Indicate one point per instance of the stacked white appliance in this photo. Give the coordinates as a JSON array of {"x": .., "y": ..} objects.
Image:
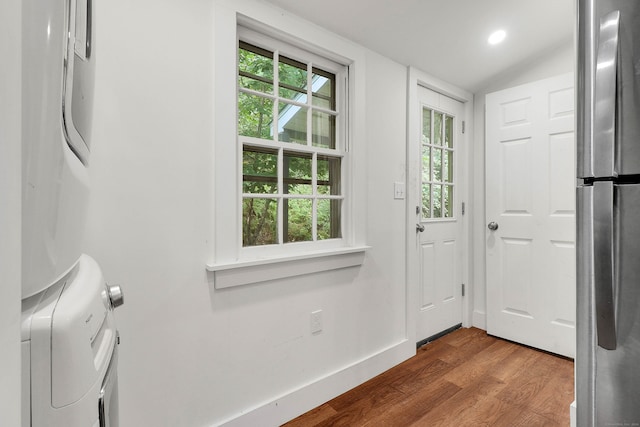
[{"x": 69, "y": 336}]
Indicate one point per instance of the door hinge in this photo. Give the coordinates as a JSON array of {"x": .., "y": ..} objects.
[
  {"x": 463, "y": 126},
  {"x": 463, "y": 289},
  {"x": 463, "y": 208}
]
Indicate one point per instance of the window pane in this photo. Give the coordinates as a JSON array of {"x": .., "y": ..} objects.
[
  {"x": 437, "y": 164},
  {"x": 292, "y": 123},
  {"x": 437, "y": 128},
  {"x": 259, "y": 170},
  {"x": 447, "y": 166},
  {"x": 448, "y": 132},
  {"x": 447, "y": 197},
  {"x": 328, "y": 170},
  {"x": 328, "y": 226},
  {"x": 437, "y": 201},
  {"x": 426, "y": 126},
  {"x": 255, "y": 68},
  {"x": 324, "y": 130},
  {"x": 426, "y": 200},
  {"x": 298, "y": 220},
  {"x": 297, "y": 173},
  {"x": 426, "y": 163},
  {"x": 323, "y": 85},
  {"x": 259, "y": 222},
  {"x": 255, "y": 116},
  {"x": 292, "y": 76}
]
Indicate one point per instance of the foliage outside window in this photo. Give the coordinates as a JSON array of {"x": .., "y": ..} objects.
[
  {"x": 437, "y": 165},
  {"x": 291, "y": 157}
]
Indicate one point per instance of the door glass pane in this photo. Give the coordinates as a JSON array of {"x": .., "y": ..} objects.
[
  {"x": 426, "y": 200},
  {"x": 259, "y": 170},
  {"x": 255, "y": 116},
  {"x": 426, "y": 126},
  {"x": 426, "y": 163},
  {"x": 292, "y": 123},
  {"x": 437, "y": 128},
  {"x": 299, "y": 219},
  {"x": 447, "y": 196},
  {"x": 448, "y": 132},
  {"x": 448, "y": 161},
  {"x": 259, "y": 221},
  {"x": 437, "y": 165},
  {"x": 437, "y": 201}
]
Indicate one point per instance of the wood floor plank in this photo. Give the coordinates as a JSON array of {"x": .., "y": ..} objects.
[
  {"x": 491, "y": 357},
  {"x": 466, "y": 378},
  {"x": 314, "y": 417},
  {"x": 453, "y": 411},
  {"x": 416, "y": 405}
]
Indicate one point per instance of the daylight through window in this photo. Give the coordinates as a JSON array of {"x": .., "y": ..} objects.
[
  {"x": 292, "y": 156},
  {"x": 437, "y": 164}
]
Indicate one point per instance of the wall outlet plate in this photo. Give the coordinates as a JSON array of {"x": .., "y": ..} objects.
[{"x": 316, "y": 322}]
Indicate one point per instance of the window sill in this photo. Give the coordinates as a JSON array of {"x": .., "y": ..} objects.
[{"x": 240, "y": 273}]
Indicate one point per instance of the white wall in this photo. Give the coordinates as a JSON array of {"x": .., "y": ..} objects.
[
  {"x": 558, "y": 61},
  {"x": 192, "y": 355},
  {"x": 10, "y": 196}
]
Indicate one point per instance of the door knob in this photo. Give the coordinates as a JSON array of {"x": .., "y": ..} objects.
[
  {"x": 419, "y": 227},
  {"x": 116, "y": 297},
  {"x": 493, "y": 226}
]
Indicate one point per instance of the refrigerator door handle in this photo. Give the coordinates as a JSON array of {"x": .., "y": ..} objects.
[
  {"x": 603, "y": 264},
  {"x": 605, "y": 96}
]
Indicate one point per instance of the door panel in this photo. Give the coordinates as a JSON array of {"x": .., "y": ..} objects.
[
  {"x": 440, "y": 244},
  {"x": 530, "y": 164}
]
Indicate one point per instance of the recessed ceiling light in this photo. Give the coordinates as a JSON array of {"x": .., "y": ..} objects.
[{"x": 497, "y": 37}]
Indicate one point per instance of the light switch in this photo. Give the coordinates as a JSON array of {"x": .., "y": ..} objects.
[{"x": 398, "y": 190}]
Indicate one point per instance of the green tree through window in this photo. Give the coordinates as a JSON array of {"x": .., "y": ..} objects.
[{"x": 286, "y": 123}]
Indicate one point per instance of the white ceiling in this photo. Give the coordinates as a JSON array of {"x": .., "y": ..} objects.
[{"x": 447, "y": 38}]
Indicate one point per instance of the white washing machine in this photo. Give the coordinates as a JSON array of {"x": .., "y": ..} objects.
[
  {"x": 70, "y": 352},
  {"x": 69, "y": 338}
]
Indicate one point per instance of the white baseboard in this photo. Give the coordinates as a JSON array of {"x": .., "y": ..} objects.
[
  {"x": 480, "y": 320},
  {"x": 572, "y": 413},
  {"x": 297, "y": 402}
]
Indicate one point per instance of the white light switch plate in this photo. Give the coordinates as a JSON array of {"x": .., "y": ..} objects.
[{"x": 398, "y": 190}]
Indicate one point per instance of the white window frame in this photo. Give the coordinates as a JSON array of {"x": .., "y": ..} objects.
[
  {"x": 230, "y": 263},
  {"x": 341, "y": 150}
]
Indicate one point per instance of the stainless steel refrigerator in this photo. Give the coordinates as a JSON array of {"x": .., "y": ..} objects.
[{"x": 608, "y": 213}]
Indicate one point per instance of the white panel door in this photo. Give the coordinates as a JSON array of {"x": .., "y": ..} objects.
[
  {"x": 440, "y": 246},
  {"x": 530, "y": 198}
]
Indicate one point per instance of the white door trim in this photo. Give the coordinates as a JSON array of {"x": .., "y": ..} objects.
[{"x": 417, "y": 78}]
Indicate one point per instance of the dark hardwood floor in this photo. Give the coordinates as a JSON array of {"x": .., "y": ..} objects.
[{"x": 466, "y": 378}]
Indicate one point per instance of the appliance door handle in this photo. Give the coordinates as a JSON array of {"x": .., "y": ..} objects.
[
  {"x": 603, "y": 264},
  {"x": 604, "y": 133}
]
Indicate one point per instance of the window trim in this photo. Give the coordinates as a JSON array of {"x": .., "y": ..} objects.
[
  {"x": 261, "y": 270},
  {"x": 229, "y": 264}
]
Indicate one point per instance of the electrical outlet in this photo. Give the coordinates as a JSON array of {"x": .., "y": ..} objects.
[{"x": 316, "y": 322}]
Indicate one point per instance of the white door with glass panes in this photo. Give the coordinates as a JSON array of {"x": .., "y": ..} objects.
[
  {"x": 439, "y": 223},
  {"x": 530, "y": 213}
]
